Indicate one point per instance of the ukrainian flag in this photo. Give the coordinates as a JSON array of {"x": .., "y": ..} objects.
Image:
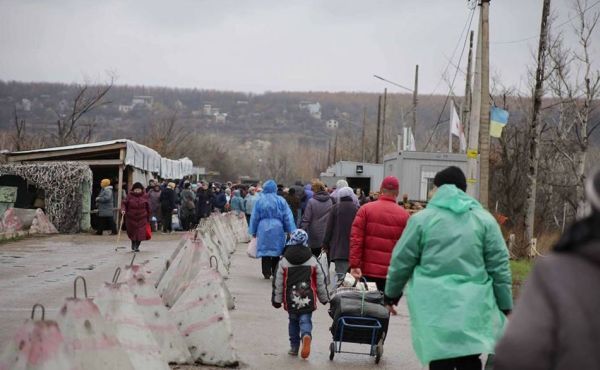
[{"x": 498, "y": 119}]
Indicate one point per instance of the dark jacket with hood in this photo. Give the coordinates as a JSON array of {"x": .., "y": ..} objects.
[
  {"x": 300, "y": 281},
  {"x": 220, "y": 200},
  {"x": 314, "y": 220},
  {"x": 555, "y": 322},
  {"x": 339, "y": 226}
]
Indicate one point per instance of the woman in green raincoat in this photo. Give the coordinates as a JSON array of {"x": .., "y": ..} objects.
[{"x": 460, "y": 282}]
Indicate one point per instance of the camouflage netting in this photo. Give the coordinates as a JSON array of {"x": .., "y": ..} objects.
[{"x": 61, "y": 182}]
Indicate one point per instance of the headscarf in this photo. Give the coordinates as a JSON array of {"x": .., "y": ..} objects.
[{"x": 345, "y": 191}]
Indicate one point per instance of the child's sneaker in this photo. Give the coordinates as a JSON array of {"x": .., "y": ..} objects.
[
  {"x": 293, "y": 351},
  {"x": 305, "y": 346}
]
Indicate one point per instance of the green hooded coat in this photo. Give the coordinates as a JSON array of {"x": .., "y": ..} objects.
[{"x": 455, "y": 257}]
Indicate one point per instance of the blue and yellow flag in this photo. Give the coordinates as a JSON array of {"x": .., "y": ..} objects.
[{"x": 498, "y": 119}]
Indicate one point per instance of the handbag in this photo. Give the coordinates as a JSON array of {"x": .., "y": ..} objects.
[
  {"x": 252, "y": 248},
  {"x": 148, "y": 232}
]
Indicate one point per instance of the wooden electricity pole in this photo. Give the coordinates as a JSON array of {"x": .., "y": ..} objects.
[
  {"x": 415, "y": 102},
  {"x": 383, "y": 114},
  {"x": 364, "y": 127},
  {"x": 335, "y": 145},
  {"x": 484, "y": 116},
  {"x": 378, "y": 130},
  {"x": 479, "y": 132},
  {"x": 535, "y": 129}
]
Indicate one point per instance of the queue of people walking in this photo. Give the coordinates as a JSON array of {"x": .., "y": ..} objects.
[{"x": 450, "y": 258}]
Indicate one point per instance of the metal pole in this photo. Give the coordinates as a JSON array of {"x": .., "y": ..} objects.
[
  {"x": 378, "y": 130},
  {"x": 466, "y": 111},
  {"x": 415, "y": 103},
  {"x": 383, "y": 122},
  {"x": 364, "y": 132}
]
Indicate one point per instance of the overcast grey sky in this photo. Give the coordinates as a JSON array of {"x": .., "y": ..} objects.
[{"x": 258, "y": 45}]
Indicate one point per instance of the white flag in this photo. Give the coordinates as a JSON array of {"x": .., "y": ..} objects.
[{"x": 457, "y": 128}]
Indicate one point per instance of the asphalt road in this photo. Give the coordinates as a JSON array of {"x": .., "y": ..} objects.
[{"x": 41, "y": 270}]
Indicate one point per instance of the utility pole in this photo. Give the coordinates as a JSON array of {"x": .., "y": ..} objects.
[
  {"x": 484, "y": 115},
  {"x": 415, "y": 102},
  {"x": 364, "y": 123},
  {"x": 535, "y": 130},
  {"x": 384, "y": 113},
  {"x": 378, "y": 130},
  {"x": 335, "y": 146},
  {"x": 328, "y": 152},
  {"x": 476, "y": 108},
  {"x": 467, "y": 101}
]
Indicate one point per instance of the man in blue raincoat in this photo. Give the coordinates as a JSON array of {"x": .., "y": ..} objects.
[
  {"x": 460, "y": 286},
  {"x": 270, "y": 221}
]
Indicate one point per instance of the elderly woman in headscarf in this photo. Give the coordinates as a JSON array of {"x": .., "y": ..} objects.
[
  {"x": 339, "y": 224},
  {"x": 343, "y": 184},
  {"x": 136, "y": 210}
]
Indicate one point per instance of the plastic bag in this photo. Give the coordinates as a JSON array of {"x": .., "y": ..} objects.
[
  {"x": 322, "y": 259},
  {"x": 252, "y": 248},
  {"x": 148, "y": 232}
]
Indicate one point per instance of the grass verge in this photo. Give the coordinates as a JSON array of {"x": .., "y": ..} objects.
[{"x": 520, "y": 270}]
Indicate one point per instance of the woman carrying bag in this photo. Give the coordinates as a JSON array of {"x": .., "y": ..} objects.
[{"x": 136, "y": 210}]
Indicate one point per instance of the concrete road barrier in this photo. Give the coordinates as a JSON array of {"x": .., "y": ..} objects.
[
  {"x": 202, "y": 317},
  {"x": 119, "y": 308},
  {"x": 37, "y": 345},
  {"x": 91, "y": 341}
]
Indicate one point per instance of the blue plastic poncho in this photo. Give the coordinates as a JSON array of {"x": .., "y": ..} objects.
[{"x": 271, "y": 220}]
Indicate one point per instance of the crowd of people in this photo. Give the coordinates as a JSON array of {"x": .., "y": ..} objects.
[{"x": 450, "y": 257}]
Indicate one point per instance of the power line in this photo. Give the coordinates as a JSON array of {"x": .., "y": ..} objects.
[
  {"x": 537, "y": 36},
  {"x": 466, "y": 27},
  {"x": 450, "y": 91}
]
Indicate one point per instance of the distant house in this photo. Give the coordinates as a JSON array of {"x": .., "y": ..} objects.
[
  {"x": 242, "y": 102},
  {"x": 220, "y": 117},
  {"x": 125, "y": 108},
  {"x": 313, "y": 108},
  {"x": 207, "y": 109},
  {"x": 332, "y": 124},
  {"x": 25, "y": 104},
  {"x": 142, "y": 100}
]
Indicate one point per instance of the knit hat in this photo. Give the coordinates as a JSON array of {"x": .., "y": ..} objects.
[
  {"x": 390, "y": 183},
  {"x": 451, "y": 176},
  {"x": 104, "y": 183},
  {"x": 341, "y": 184},
  {"x": 298, "y": 237},
  {"x": 137, "y": 185}
]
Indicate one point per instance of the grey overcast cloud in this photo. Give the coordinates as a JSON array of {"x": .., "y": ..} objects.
[{"x": 255, "y": 46}]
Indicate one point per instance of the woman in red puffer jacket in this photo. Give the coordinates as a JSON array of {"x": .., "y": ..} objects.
[{"x": 136, "y": 209}]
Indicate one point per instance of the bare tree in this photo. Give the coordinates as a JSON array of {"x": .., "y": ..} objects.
[
  {"x": 70, "y": 128},
  {"x": 19, "y": 136},
  {"x": 166, "y": 135},
  {"x": 535, "y": 126},
  {"x": 577, "y": 87}
]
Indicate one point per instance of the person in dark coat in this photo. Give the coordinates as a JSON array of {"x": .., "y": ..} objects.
[
  {"x": 167, "y": 204},
  {"x": 220, "y": 200},
  {"x": 314, "y": 220},
  {"x": 294, "y": 202},
  {"x": 555, "y": 322},
  {"x": 154, "y": 200},
  {"x": 337, "y": 235},
  {"x": 204, "y": 202},
  {"x": 188, "y": 206},
  {"x": 136, "y": 210}
]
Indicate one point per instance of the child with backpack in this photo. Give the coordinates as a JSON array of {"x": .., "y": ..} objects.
[{"x": 299, "y": 282}]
